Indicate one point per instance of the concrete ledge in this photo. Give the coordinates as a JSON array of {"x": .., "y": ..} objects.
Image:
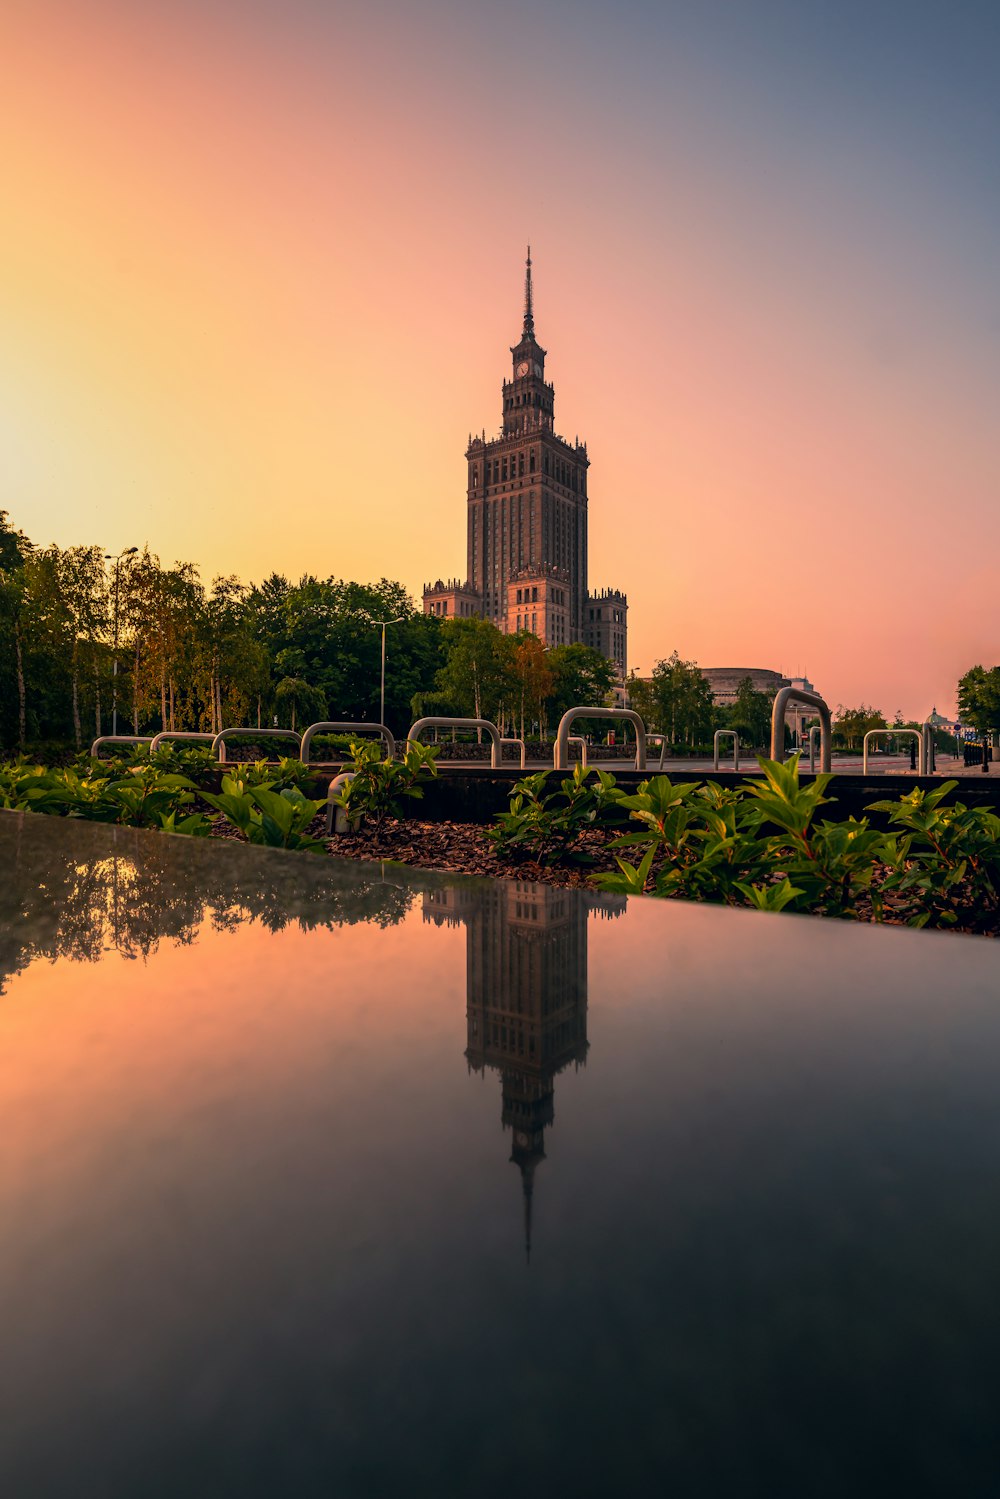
[{"x": 477, "y": 793}]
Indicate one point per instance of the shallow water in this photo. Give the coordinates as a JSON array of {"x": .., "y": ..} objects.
[{"x": 326, "y": 1179}]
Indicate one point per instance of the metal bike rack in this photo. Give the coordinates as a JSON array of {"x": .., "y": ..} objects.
[
  {"x": 159, "y": 739},
  {"x": 119, "y": 739},
  {"x": 813, "y": 741},
  {"x": 579, "y": 739},
  {"x": 895, "y": 733},
  {"x": 560, "y": 754},
  {"x": 661, "y": 740},
  {"x": 416, "y": 729},
  {"x": 927, "y": 744},
  {"x": 520, "y": 742},
  {"x": 338, "y": 823},
  {"x": 726, "y": 734},
  {"x": 788, "y": 695},
  {"x": 345, "y": 728},
  {"x": 219, "y": 742}
]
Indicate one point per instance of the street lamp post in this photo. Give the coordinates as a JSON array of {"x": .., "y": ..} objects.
[
  {"x": 116, "y": 559},
  {"x": 382, "y": 624}
]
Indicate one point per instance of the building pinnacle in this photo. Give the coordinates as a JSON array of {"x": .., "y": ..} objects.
[{"x": 529, "y": 318}]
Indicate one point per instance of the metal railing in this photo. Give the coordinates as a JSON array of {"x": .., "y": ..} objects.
[
  {"x": 661, "y": 739},
  {"x": 416, "y": 729},
  {"x": 928, "y": 747},
  {"x": 119, "y": 739},
  {"x": 726, "y": 734},
  {"x": 578, "y": 739},
  {"x": 813, "y": 741},
  {"x": 895, "y": 734},
  {"x": 788, "y": 695},
  {"x": 524, "y": 751},
  {"x": 172, "y": 734},
  {"x": 219, "y": 742},
  {"x": 345, "y": 728},
  {"x": 337, "y": 823},
  {"x": 560, "y": 755}
]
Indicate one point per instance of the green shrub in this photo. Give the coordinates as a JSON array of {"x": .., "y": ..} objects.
[
  {"x": 279, "y": 819},
  {"x": 945, "y": 865},
  {"x": 378, "y": 786},
  {"x": 545, "y": 825}
]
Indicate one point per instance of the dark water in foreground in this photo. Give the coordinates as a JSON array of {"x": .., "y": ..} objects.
[{"x": 325, "y": 1180}]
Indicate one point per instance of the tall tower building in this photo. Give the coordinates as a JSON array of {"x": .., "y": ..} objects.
[
  {"x": 526, "y": 997},
  {"x": 526, "y": 562}
]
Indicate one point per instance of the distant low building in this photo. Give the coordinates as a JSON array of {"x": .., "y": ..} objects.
[{"x": 725, "y": 683}]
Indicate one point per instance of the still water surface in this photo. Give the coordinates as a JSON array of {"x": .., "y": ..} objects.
[{"x": 327, "y": 1179}]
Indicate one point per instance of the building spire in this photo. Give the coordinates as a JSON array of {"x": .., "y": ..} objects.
[
  {"x": 529, "y": 317},
  {"x": 528, "y": 1190}
]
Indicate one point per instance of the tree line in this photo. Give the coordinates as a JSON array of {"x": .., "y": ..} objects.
[
  {"x": 80, "y": 631},
  {"x": 283, "y": 654}
]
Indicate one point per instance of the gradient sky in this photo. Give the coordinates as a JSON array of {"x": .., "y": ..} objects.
[{"x": 261, "y": 266}]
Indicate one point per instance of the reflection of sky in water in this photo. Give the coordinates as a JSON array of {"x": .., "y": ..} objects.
[{"x": 262, "y": 1233}]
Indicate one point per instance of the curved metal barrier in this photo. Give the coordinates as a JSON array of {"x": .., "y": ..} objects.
[
  {"x": 219, "y": 742},
  {"x": 895, "y": 733},
  {"x": 928, "y": 747},
  {"x": 524, "y": 751},
  {"x": 726, "y": 734},
  {"x": 560, "y": 755},
  {"x": 171, "y": 734},
  {"x": 661, "y": 739},
  {"x": 119, "y": 739},
  {"x": 338, "y": 823},
  {"x": 345, "y": 728},
  {"x": 416, "y": 729},
  {"x": 578, "y": 739},
  {"x": 813, "y": 741},
  {"x": 788, "y": 695}
]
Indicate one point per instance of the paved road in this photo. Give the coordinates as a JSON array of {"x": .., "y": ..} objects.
[{"x": 947, "y": 765}]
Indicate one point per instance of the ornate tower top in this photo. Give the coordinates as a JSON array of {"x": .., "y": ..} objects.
[
  {"x": 527, "y": 347},
  {"x": 529, "y": 318},
  {"x": 527, "y": 399}
]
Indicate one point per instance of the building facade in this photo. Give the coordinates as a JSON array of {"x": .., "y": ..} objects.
[
  {"x": 526, "y": 522},
  {"x": 725, "y": 683}
]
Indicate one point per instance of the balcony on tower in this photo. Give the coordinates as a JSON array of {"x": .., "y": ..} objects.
[
  {"x": 538, "y": 599},
  {"x": 452, "y": 599}
]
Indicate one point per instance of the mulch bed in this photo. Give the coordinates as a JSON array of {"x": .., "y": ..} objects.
[{"x": 461, "y": 848}]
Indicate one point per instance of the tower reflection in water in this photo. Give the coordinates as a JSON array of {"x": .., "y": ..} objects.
[{"x": 526, "y": 997}]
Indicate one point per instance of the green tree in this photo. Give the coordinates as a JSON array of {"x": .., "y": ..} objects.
[
  {"x": 979, "y": 699},
  {"x": 750, "y": 714},
  {"x": 850, "y": 725},
  {"x": 581, "y": 677},
  {"x": 677, "y": 701},
  {"x": 297, "y": 703},
  {"x": 534, "y": 678},
  {"x": 477, "y": 675}
]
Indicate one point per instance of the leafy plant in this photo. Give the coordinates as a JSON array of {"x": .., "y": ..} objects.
[
  {"x": 701, "y": 847},
  {"x": 758, "y": 845},
  {"x": 546, "y": 825},
  {"x": 378, "y": 787},
  {"x": 945, "y": 866},
  {"x": 279, "y": 819}
]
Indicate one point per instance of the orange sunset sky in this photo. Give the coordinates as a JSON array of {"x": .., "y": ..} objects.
[{"x": 261, "y": 266}]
